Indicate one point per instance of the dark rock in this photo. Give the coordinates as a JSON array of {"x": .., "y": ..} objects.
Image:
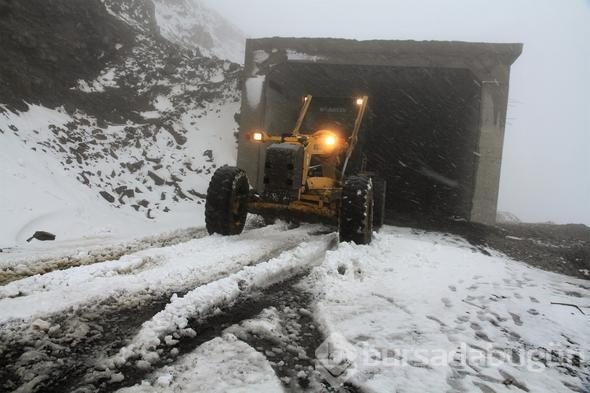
[
  {"x": 84, "y": 179},
  {"x": 143, "y": 203},
  {"x": 134, "y": 167},
  {"x": 42, "y": 236},
  {"x": 180, "y": 193},
  {"x": 107, "y": 196},
  {"x": 121, "y": 189},
  {"x": 209, "y": 155},
  {"x": 197, "y": 194},
  {"x": 157, "y": 179},
  {"x": 147, "y": 133}
]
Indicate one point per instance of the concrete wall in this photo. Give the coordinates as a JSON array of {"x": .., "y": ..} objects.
[{"x": 489, "y": 63}]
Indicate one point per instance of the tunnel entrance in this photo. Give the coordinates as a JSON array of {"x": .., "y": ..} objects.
[
  {"x": 438, "y": 113},
  {"x": 422, "y": 132}
]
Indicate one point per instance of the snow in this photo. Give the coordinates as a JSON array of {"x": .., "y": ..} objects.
[
  {"x": 37, "y": 194},
  {"x": 260, "y": 56},
  {"x": 108, "y": 78},
  {"x": 224, "y": 364},
  {"x": 191, "y": 24},
  {"x": 57, "y": 201},
  {"x": 298, "y": 56},
  {"x": 254, "y": 87},
  {"x": 217, "y": 77},
  {"x": 43, "y": 257},
  {"x": 411, "y": 290},
  {"x": 202, "y": 301},
  {"x": 145, "y": 273},
  {"x": 267, "y": 325},
  {"x": 92, "y": 87},
  {"x": 213, "y": 131},
  {"x": 163, "y": 104},
  {"x": 150, "y": 114},
  {"x": 405, "y": 303}
]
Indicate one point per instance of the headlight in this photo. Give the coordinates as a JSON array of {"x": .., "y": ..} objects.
[
  {"x": 257, "y": 136},
  {"x": 360, "y": 101},
  {"x": 330, "y": 140}
]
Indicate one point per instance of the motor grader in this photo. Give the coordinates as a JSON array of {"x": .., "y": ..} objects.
[{"x": 314, "y": 172}]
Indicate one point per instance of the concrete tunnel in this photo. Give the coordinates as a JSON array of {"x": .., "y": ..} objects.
[{"x": 437, "y": 114}]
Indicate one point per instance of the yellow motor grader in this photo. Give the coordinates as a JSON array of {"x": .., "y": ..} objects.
[{"x": 314, "y": 172}]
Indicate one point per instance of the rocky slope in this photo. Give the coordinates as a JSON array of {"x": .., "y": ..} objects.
[{"x": 139, "y": 120}]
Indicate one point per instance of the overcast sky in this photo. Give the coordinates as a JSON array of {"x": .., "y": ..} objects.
[{"x": 546, "y": 165}]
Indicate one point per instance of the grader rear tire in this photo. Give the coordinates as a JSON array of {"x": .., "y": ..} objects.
[
  {"x": 356, "y": 211},
  {"x": 226, "y": 206}
]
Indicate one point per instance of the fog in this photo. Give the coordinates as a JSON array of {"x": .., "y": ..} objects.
[{"x": 546, "y": 164}]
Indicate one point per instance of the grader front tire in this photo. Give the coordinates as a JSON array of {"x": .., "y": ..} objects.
[{"x": 226, "y": 207}]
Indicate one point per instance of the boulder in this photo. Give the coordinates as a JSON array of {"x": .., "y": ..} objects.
[
  {"x": 107, "y": 196},
  {"x": 42, "y": 236}
]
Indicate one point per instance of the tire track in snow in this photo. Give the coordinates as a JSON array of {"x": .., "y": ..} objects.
[
  {"x": 52, "y": 354},
  {"x": 289, "y": 345},
  {"x": 146, "y": 274},
  {"x": 201, "y": 308},
  {"x": 16, "y": 267}
]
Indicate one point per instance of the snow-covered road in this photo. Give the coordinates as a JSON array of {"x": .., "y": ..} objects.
[
  {"x": 20, "y": 262},
  {"x": 412, "y": 300},
  {"x": 148, "y": 273},
  {"x": 423, "y": 312}
]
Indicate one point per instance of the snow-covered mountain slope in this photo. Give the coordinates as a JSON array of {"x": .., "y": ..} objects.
[
  {"x": 37, "y": 194},
  {"x": 191, "y": 24},
  {"x": 142, "y": 130},
  {"x": 187, "y": 23}
]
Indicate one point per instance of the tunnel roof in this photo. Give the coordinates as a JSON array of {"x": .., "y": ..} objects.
[{"x": 477, "y": 56}]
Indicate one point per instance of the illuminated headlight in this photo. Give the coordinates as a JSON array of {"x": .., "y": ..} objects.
[
  {"x": 330, "y": 140},
  {"x": 359, "y": 101},
  {"x": 257, "y": 136}
]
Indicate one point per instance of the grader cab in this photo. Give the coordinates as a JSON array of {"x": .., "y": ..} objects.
[{"x": 314, "y": 172}]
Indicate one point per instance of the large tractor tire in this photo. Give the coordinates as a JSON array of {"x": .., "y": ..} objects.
[
  {"x": 226, "y": 207},
  {"x": 379, "y": 195},
  {"x": 356, "y": 210}
]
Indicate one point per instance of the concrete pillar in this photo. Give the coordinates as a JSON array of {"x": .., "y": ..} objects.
[
  {"x": 494, "y": 102},
  {"x": 251, "y": 115}
]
